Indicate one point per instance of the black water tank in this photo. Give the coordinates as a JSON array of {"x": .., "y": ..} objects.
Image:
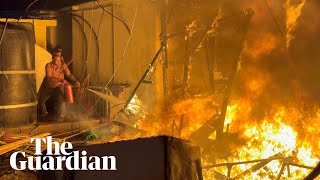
[{"x": 18, "y": 95}]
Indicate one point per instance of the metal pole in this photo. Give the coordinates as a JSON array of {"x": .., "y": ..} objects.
[
  {"x": 248, "y": 14},
  {"x": 143, "y": 77},
  {"x": 164, "y": 46},
  {"x": 113, "y": 59},
  {"x": 210, "y": 62},
  {"x": 113, "y": 62},
  {"x": 186, "y": 72}
]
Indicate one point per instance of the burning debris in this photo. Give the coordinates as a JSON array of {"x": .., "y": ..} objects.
[{"x": 278, "y": 133}]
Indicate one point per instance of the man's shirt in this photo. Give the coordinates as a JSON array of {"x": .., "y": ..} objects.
[{"x": 56, "y": 72}]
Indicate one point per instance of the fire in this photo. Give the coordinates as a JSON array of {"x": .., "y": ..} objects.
[
  {"x": 286, "y": 134},
  {"x": 278, "y": 134},
  {"x": 256, "y": 81},
  {"x": 261, "y": 46},
  {"x": 182, "y": 118},
  {"x": 135, "y": 107},
  {"x": 293, "y": 12}
]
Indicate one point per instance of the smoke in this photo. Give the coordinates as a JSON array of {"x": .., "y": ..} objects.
[
  {"x": 293, "y": 12},
  {"x": 262, "y": 46},
  {"x": 289, "y": 59}
]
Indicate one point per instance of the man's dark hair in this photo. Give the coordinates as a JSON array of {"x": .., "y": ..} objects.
[
  {"x": 55, "y": 55},
  {"x": 57, "y": 49}
]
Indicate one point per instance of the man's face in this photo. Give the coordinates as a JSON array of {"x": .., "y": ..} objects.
[{"x": 56, "y": 60}]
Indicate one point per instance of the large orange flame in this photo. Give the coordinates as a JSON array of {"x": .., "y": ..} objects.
[
  {"x": 293, "y": 12},
  {"x": 281, "y": 132}
]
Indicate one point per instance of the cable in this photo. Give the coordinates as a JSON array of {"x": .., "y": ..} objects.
[
  {"x": 3, "y": 31},
  {"x": 127, "y": 27},
  {"x": 97, "y": 42},
  {"x": 36, "y": 126},
  {"x": 86, "y": 48},
  {"x": 97, "y": 39},
  {"x": 2, "y": 34},
  {"x": 122, "y": 57},
  {"x": 90, "y": 35},
  {"x": 126, "y": 47},
  {"x": 100, "y": 23},
  {"x": 25, "y": 13}
]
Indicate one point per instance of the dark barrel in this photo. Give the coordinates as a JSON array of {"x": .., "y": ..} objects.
[{"x": 18, "y": 95}]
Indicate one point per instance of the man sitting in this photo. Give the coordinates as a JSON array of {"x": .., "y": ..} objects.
[{"x": 53, "y": 83}]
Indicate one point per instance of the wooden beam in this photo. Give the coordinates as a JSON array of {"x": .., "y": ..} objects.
[{"x": 9, "y": 147}]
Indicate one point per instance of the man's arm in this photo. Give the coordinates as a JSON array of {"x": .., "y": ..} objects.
[{"x": 69, "y": 75}]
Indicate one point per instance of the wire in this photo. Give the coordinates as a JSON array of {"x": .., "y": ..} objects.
[
  {"x": 100, "y": 22},
  {"x": 3, "y": 31},
  {"x": 127, "y": 27},
  {"x": 2, "y": 35},
  {"x": 122, "y": 57},
  {"x": 97, "y": 41},
  {"x": 36, "y": 126},
  {"x": 126, "y": 47},
  {"x": 86, "y": 48},
  {"x": 25, "y": 13},
  {"x": 90, "y": 35}
]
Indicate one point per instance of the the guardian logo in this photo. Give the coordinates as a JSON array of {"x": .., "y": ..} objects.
[{"x": 62, "y": 153}]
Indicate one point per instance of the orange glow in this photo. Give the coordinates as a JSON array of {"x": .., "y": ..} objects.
[
  {"x": 293, "y": 12},
  {"x": 256, "y": 82},
  {"x": 279, "y": 132},
  {"x": 182, "y": 118},
  {"x": 263, "y": 45}
]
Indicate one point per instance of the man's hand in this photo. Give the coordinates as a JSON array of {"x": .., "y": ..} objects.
[
  {"x": 63, "y": 81},
  {"x": 77, "y": 84}
]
